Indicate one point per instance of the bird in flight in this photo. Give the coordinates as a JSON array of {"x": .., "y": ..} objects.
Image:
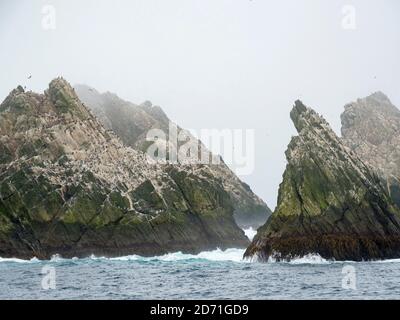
[{"x": 30, "y": 76}]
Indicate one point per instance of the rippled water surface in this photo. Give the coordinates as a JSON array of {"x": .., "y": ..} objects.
[{"x": 209, "y": 275}]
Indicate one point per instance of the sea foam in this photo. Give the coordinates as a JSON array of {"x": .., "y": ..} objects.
[
  {"x": 250, "y": 233},
  {"x": 18, "y": 260},
  {"x": 311, "y": 258},
  {"x": 234, "y": 255}
]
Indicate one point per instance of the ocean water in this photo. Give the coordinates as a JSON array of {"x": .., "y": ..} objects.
[{"x": 209, "y": 275}]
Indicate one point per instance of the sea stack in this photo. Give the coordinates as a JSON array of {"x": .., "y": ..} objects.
[
  {"x": 68, "y": 186},
  {"x": 329, "y": 203},
  {"x": 131, "y": 122},
  {"x": 371, "y": 128}
]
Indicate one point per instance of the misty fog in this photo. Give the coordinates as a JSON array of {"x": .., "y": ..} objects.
[{"x": 212, "y": 63}]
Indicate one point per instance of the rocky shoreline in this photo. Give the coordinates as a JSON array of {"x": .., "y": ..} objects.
[
  {"x": 330, "y": 203},
  {"x": 74, "y": 181},
  {"x": 68, "y": 186}
]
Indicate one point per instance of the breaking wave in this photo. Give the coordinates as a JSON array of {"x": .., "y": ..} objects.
[
  {"x": 250, "y": 233},
  {"x": 387, "y": 261},
  {"x": 307, "y": 259},
  {"x": 19, "y": 260},
  {"x": 218, "y": 255},
  {"x": 233, "y": 255}
]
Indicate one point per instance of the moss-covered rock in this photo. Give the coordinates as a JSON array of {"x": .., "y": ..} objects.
[
  {"x": 330, "y": 203},
  {"x": 70, "y": 187},
  {"x": 132, "y": 122}
]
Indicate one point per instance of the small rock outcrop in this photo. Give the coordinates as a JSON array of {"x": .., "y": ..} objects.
[
  {"x": 131, "y": 123},
  {"x": 69, "y": 186},
  {"x": 330, "y": 203},
  {"x": 371, "y": 128}
]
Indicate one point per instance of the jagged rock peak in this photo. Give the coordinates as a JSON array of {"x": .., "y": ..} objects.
[
  {"x": 156, "y": 111},
  {"x": 378, "y": 96},
  {"x": 373, "y": 118},
  {"x": 12, "y": 95},
  {"x": 70, "y": 187},
  {"x": 146, "y": 104},
  {"x": 329, "y": 202},
  {"x": 60, "y": 86},
  {"x": 60, "y": 82},
  {"x": 131, "y": 122},
  {"x": 305, "y": 117},
  {"x": 64, "y": 98},
  {"x": 370, "y": 127},
  {"x": 16, "y": 91},
  {"x": 19, "y": 89},
  {"x": 314, "y": 134},
  {"x": 377, "y": 104}
]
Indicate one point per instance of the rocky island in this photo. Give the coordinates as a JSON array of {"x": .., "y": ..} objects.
[
  {"x": 69, "y": 186},
  {"x": 329, "y": 203},
  {"x": 371, "y": 128},
  {"x": 131, "y": 122}
]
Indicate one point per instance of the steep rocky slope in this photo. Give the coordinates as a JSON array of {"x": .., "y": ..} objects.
[
  {"x": 69, "y": 186},
  {"x": 371, "y": 128},
  {"x": 131, "y": 123},
  {"x": 330, "y": 203}
]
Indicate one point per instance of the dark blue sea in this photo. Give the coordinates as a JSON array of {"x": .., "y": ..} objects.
[{"x": 208, "y": 275}]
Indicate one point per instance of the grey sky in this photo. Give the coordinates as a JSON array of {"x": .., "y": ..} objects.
[{"x": 212, "y": 63}]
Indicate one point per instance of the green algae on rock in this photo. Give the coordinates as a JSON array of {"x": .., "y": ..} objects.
[
  {"x": 68, "y": 186},
  {"x": 329, "y": 203},
  {"x": 131, "y": 122}
]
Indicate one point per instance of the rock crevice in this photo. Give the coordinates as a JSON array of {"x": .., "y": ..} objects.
[
  {"x": 329, "y": 203},
  {"x": 131, "y": 122},
  {"x": 69, "y": 186}
]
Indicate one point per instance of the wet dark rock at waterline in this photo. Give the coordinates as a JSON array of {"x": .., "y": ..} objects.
[
  {"x": 68, "y": 186},
  {"x": 330, "y": 203}
]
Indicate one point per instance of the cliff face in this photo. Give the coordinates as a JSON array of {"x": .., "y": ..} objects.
[
  {"x": 131, "y": 123},
  {"x": 69, "y": 186},
  {"x": 371, "y": 128},
  {"x": 329, "y": 203}
]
